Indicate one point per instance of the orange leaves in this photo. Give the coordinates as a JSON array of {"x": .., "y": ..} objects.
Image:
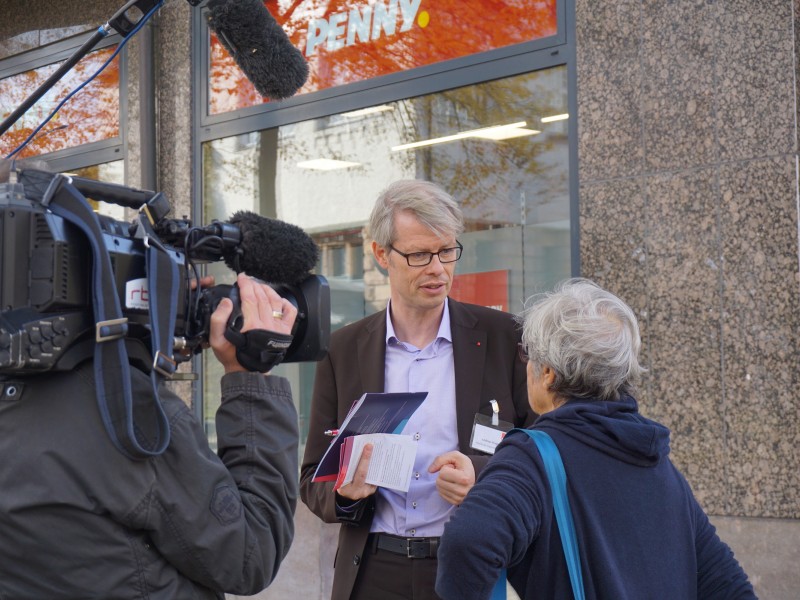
[
  {"x": 351, "y": 40},
  {"x": 89, "y": 116}
]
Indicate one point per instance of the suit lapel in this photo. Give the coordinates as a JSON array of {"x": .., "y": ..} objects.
[
  {"x": 372, "y": 353},
  {"x": 469, "y": 357}
]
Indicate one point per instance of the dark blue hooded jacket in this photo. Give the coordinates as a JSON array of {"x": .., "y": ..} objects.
[{"x": 640, "y": 531}]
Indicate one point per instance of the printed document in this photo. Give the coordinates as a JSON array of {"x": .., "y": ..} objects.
[
  {"x": 373, "y": 413},
  {"x": 391, "y": 462}
]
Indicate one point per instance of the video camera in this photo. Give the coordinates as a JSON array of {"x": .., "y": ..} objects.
[{"x": 48, "y": 281}]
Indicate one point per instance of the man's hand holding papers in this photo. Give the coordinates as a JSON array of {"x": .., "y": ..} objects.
[{"x": 390, "y": 463}]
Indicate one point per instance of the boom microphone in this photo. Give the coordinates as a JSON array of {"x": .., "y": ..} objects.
[
  {"x": 259, "y": 46},
  {"x": 272, "y": 250}
]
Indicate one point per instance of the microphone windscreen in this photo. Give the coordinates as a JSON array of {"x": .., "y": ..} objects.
[
  {"x": 259, "y": 46},
  {"x": 272, "y": 250}
]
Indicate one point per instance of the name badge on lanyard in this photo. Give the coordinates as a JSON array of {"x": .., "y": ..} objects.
[{"x": 488, "y": 431}]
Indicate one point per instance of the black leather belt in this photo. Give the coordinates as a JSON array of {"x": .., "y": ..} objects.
[{"x": 422, "y": 547}]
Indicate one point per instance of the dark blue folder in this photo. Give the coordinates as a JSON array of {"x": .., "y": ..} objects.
[{"x": 372, "y": 413}]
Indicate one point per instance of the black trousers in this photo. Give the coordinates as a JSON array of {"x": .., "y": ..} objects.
[{"x": 384, "y": 575}]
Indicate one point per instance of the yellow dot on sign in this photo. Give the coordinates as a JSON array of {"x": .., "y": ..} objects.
[{"x": 423, "y": 19}]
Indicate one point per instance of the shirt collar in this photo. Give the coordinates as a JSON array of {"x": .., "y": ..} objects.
[{"x": 444, "y": 326}]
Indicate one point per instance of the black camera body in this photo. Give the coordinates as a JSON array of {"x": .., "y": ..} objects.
[{"x": 46, "y": 316}]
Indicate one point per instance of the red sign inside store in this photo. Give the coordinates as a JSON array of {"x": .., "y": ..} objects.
[
  {"x": 486, "y": 289},
  {"x": 351, "y": 40}
]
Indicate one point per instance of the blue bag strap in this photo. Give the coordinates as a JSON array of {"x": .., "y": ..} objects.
[
  {"x": 499, "y": 591},
  {"x": 558, "y": 484}
]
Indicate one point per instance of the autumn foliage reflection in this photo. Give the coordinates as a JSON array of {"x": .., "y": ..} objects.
[
  {"x": 351, "y": 40},
  {"x": 91, "y": 115}
]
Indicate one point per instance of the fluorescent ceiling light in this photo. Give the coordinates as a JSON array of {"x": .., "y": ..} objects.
[
  {"x": 506, "y": 134},
  {"x": 370, "y": 110},
  {"x": 496, "y": 132},
  {"x": 326, "y": 164},
  {"x": 433, "y": 142},
  {"x": 563, "y": 117}
]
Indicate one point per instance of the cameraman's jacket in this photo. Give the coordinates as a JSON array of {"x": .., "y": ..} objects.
[{"x": 79, "y": 520}]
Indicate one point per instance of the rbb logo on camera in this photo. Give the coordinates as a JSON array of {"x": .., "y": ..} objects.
[{"x": 137, "y": 295}]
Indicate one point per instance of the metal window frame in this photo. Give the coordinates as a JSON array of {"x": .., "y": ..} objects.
[{"x": 87, "y": 154}]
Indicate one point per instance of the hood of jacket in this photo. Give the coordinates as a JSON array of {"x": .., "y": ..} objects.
[{"x": 614, "y": 428}]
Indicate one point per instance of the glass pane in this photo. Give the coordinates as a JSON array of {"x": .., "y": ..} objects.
[
  {"x": 500, "y": 148},
  {"x": 91, "y": 115},
  {"x": 346, "y": 41}
]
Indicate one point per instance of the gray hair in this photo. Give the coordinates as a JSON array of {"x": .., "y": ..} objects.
[
  {"x": 588, "y": 336},
  {"x": 428, "y": 202}
]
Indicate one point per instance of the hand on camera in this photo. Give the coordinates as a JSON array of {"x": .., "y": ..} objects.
[{"x": 262, "y": 308}]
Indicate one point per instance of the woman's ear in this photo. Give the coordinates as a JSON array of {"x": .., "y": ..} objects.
[{"x": 548, "y": 376}]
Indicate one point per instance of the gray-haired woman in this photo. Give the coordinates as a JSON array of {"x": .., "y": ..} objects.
[{"x": 640, "y": 531}]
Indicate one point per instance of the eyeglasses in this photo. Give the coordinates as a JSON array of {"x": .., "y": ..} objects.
[
  {"x": 522, "y": 353},
  {"x": 421, "y": 259}
]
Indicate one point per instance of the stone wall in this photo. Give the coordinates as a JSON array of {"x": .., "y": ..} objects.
[{"x": 689, "y": 211}]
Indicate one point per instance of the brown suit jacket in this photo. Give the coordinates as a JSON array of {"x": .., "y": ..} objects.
[{"x": 486, "y": 367}]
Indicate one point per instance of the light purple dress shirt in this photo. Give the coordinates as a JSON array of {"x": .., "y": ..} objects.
[{"x": 421, "y": 512}]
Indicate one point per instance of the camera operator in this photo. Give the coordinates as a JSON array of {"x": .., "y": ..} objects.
[{"x": 80, "y": 520}]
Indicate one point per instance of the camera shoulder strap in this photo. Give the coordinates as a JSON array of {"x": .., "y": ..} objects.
[
  {"x": 111, "y": 366},
  {"x": 163, "y": 288}
]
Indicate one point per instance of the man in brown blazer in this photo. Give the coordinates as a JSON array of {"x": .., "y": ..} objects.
[{"x": 464, "y": 356}]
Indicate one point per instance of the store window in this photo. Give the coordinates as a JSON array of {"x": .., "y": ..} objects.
[
  {"x": 345, "y": 41},
  {"x": 91, "y": 115},
  {"x": 84, "y": 135},
  {"x": 499, "y": 147}
]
